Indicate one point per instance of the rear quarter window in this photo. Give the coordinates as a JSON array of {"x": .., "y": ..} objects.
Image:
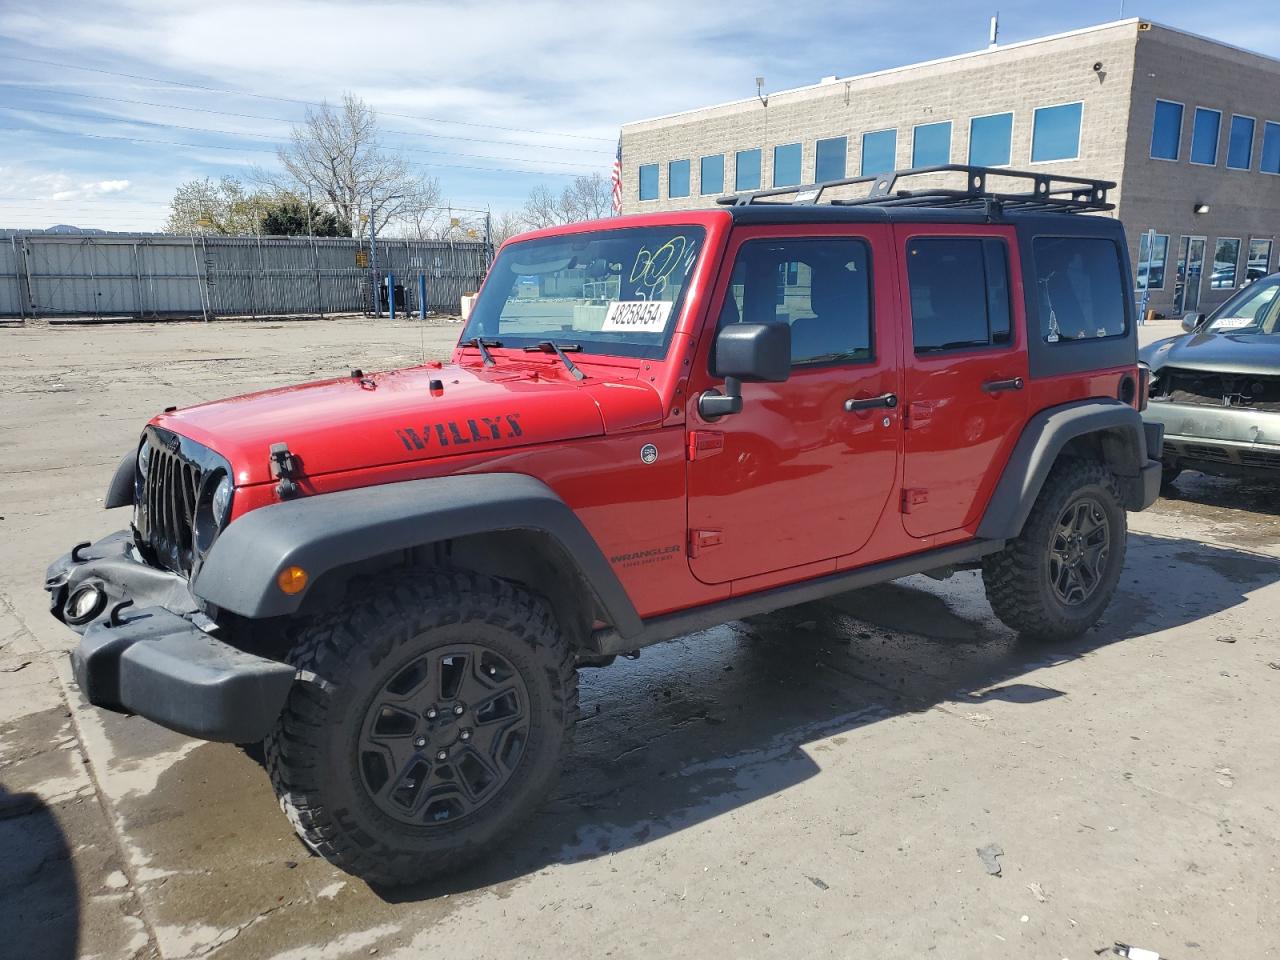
[{"x": 1079, "y": 288}]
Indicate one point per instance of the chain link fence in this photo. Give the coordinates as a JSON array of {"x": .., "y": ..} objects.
[{"x": 152, "y": 276}]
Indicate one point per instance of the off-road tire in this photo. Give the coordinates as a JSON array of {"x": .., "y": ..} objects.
[
  {"x": 346, "y": 656},
  {"x": 1017, "y": 578}
]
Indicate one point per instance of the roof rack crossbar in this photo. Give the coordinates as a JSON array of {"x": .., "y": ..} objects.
[{"x": 1049, "y": 192}]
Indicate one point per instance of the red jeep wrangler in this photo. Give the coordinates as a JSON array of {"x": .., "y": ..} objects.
[{"x": 649, "y": 425}]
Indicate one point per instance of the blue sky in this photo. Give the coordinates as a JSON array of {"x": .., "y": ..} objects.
[{"x": 492, "y": 98}]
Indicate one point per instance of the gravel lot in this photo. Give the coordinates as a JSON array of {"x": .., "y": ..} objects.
[{"x": 812, "y": 783}]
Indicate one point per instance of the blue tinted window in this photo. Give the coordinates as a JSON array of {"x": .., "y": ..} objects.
[
  {"x": 1166, "y": 130},
  {"x": 1204, "y": 136},
  {"x": 831, "y": 157},
  {"x": 931, "y": 144},
  {"x": 649, "y": 181},
  {"x": 879, "y": 152},
  {"x": 786, "y": 165},
  {"x": 678, "y": 178},
  {"x": 1240, "y": 143},
  {"x": 746, "y": 175},
  {"x": 711, "y": 174},
  {"x": 989, "y": 139},
  {"x": 1055, "y": 133},
  {"x": 1270, "y": 148}
]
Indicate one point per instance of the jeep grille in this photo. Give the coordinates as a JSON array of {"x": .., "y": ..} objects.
[{"x": 165, "y": 505}]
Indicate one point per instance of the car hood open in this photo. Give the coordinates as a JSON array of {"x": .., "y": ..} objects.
[{"x": 414, "y": 414}]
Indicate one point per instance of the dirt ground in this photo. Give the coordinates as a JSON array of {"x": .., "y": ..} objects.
[{"x": 813, "y": 783}]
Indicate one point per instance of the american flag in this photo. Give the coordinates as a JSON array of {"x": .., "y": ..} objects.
[{"x": 616, "y": 180}]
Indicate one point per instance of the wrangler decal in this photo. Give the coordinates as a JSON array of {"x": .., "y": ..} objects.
[
  {"x": 644, "y": 557},
  {"x": 460, "y": 432}
]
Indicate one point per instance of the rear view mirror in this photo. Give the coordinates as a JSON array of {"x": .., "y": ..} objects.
[
  {"x": 1192, "y": 320},
  {"x": 746, "y": 353}
]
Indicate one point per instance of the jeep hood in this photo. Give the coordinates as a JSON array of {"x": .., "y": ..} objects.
[
  {"x": 396, "y": 417},
  {"x": 1248, "y": 353}
]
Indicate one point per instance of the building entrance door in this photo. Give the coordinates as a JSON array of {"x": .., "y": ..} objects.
[{"x": 1186, "y": 285}]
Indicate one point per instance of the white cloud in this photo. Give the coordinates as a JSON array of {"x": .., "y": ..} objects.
[{"x": 107, "y": 186}]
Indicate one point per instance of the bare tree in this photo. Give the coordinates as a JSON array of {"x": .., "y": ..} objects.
[
  {"x": 586, "y": 198},
  {"x": 335, "y": 155},
  {"x": 506, "y": 225}
]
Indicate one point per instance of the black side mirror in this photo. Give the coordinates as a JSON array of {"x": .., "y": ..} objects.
[
  {"x": 746, "y": 353},
  {"x": 1192, "y": 320}
]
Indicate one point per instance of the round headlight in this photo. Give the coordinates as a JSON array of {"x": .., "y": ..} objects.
[
  {"x": 85, "y": 604},
  {"x": 144, "y": 458},
  {"x": 221, "y": 502}
]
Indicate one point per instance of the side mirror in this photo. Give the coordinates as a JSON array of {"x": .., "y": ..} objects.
[
  {"x": 1192, "y": 320},
  {"x": 746, "y": 353}
]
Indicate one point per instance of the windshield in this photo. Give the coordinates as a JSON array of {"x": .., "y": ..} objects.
[
  {"x": 1255, "y": 309},
  {"x": 607, "y": 292}
]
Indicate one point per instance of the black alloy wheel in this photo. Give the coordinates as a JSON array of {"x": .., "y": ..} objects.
[
  {"x": 443, "y": 735},
  {"x": 1078, "y": 552}
]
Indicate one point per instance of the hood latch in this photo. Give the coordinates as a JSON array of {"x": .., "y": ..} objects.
[{"x": 284, "y": 467}]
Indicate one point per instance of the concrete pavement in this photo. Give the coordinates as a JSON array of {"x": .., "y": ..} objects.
[{"x": 816, "y": 782}]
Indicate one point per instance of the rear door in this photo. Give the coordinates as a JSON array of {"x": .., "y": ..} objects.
[
  {"x": 798, "y": 476},
  {"x": 965, "y": 363}
]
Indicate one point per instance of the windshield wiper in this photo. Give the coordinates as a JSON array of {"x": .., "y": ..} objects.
[
  {"x": 550, "y": 346},
  {"x": 481, "y": 344}
]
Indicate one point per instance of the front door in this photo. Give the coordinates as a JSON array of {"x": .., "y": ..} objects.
[
  {"x": 796, "y": 477},
  {"x": 1186, "y": 290},
  {"x": 966, "y": 364}
]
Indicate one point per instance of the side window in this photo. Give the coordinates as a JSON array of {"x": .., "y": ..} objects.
[
  {"x": 1079, "y": 288},
  {"x": 959, "y": 293},
  {"x": 822, "y": 288}
]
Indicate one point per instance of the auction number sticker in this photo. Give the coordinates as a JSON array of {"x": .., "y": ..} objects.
[
  {"x": 638, "y": 316},
  {"x": 1232, "y": 323}
]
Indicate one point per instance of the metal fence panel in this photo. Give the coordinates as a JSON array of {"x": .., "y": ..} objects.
[
  {"x": 170, "y": 276},
  {"x": 13, "y": 299}
]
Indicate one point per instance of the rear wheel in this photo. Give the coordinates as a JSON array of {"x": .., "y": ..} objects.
[
  {"x": 432, "y": 717},
  {"x": 1054, "y": 581}
]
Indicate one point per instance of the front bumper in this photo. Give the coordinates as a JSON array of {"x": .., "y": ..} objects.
[
  {"x": 151, "y": 651},
  {"x": 1225, "y": 440}
]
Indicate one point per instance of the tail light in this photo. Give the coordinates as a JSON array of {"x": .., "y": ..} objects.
[{"x": 1144, "y": 385}]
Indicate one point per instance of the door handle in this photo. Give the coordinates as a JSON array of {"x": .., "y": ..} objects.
[
  {"x": 996, "y": 386},
  {"x": 889, "y": 400}
]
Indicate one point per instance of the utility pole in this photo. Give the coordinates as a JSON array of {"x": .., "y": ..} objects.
[{"x": 373, "y": 260}]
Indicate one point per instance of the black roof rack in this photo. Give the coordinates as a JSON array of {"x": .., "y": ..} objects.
[{"x": 1049, "y": 193}]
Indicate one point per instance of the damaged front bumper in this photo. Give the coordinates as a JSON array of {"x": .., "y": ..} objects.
[
  {"x": 1227, "y": 441},
  {"x": 148, "y": 648}
]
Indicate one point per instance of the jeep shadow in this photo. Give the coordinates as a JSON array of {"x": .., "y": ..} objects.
[{"x": 711, "y": 722}]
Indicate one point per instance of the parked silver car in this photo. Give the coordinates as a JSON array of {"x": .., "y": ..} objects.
[{"x": 1216, "y": 388}]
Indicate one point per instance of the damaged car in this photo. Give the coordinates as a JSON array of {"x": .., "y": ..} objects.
[{"x": 1216, "y": 388}]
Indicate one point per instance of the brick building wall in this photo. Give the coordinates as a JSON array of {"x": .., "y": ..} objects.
[
  {"x": 1115, "y": 71},
  {"x": 1161, "y": 194}
]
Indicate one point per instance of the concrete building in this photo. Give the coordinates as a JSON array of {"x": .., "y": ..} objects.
[{"x": 1188, "y": 127}]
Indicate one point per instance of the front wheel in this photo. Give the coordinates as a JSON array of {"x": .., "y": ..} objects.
[
  {"x": 1056, "y": 578},
  {"x": 431, "y": 717}
]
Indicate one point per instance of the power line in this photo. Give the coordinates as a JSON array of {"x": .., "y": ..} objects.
[
  {"x": 215, "y": 146},
  {"x": 258, "y": 116},
  {"x": 265, "y": 136},
  {"x": 307, "y": 103}
]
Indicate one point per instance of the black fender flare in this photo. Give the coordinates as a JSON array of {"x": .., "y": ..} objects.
[
  {"x": 1043, "y": 439},
  {"x": 325, "y": 532},
  {"x": 120, "y": 491}
]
